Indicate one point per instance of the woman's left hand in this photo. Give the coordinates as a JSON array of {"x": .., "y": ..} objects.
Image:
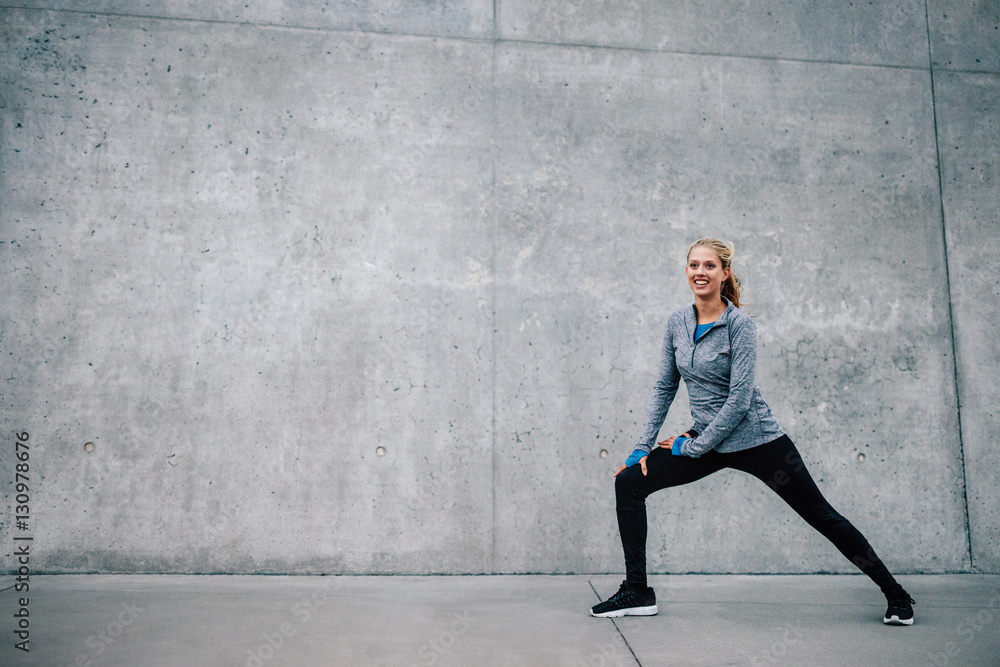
[{"x": 669, "y": 442}]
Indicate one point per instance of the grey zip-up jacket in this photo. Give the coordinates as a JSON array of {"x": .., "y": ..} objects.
[{"x": 719, "y": 370}]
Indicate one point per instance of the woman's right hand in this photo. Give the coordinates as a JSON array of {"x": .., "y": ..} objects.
[
  {"x": 632, "y": 460},
  {"x": 642, "y": 464}
]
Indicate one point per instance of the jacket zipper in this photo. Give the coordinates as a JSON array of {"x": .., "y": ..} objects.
[{"x": 696, "y": 339}]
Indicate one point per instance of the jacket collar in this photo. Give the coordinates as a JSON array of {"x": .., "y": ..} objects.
[{"x": 691, "y": 316}]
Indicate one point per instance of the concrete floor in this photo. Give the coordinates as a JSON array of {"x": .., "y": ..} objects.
[{"x": 496, "y": 620}]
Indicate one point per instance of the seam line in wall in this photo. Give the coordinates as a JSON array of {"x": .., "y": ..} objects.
[
  {"x": 947, "y": 279},
  {"x": 985, "y": 72},
  {"x": 494, "y": 308},
  {"x": 494, "y": 39},
  {"x": 250, "y": 24}
]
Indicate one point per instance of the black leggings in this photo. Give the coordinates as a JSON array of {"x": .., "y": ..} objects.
[{"x": 776, "y": 463}]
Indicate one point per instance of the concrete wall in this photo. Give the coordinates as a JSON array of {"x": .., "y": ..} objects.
[{"x": 247, "y": 244}]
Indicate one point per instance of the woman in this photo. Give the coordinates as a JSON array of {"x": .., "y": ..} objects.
[{"x": 713, "y": 346}]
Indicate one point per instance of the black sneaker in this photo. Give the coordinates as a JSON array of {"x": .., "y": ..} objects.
[
  {"x": 900, "y": 611},
  {"x": 627, "y": 601}
]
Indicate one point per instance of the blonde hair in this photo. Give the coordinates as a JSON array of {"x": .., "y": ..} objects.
[{"x": 731, "y": 286}]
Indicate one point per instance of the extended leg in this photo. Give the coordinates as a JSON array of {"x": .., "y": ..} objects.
[{"x": 779, "y": 465}]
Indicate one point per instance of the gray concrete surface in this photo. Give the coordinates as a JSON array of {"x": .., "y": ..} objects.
[
  {"x": 965, "y": 35},
  {"x": 882, "y": 33},
  {"x": 586, "y": 278},
  {"x": 971, "y": 178},
  {"x": 247, "y": 244},
  {"x": 453, "y": 18},
  {"x": 498, "y": 620}
]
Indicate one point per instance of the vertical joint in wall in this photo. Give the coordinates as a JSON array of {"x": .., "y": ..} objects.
[{"x": 947, "y": 278}]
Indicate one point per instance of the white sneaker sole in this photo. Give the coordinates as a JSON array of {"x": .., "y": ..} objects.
[
  {"x": 895, "y": 621},
  {"x": 632, "y": 611}
]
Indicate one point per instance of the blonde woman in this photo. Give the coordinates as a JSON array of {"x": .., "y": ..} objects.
[{"x": 713, "y": 346}]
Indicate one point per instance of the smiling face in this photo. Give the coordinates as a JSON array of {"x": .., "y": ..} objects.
[{"x": 705, "y": 273}]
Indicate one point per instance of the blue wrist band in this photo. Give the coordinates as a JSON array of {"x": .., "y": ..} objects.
[
  {"x": 676, "y": 449},
  {"x": 634, "y": 457}
]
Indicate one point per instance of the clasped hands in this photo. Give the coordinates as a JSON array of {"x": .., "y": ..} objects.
[{"x": 667, "y": 444}]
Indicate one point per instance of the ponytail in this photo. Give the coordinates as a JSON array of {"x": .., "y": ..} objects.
[{"x": 731, "y": 289}]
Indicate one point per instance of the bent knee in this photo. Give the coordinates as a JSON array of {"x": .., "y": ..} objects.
[{"x": 628, "y": 481}]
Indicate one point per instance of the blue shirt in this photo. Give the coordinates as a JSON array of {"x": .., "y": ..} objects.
[{"x": 701, "y": 329}]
